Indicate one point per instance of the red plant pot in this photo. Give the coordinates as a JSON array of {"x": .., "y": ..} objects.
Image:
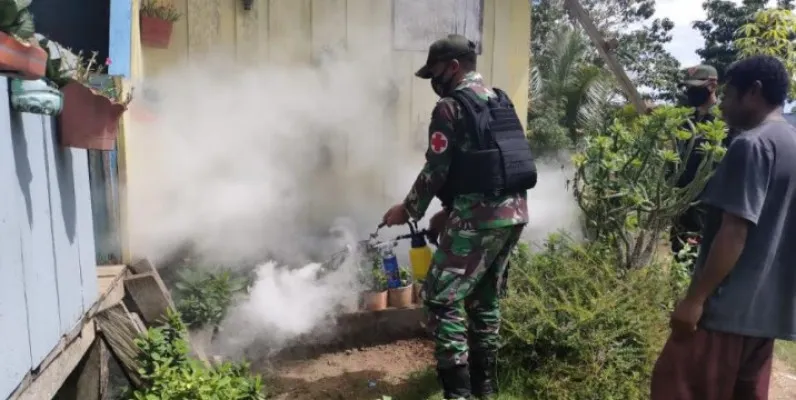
[
  {"x": 155, "y": 32},
  {"x": 21, "y": 60},
  {"x": 89, "y": 120}
]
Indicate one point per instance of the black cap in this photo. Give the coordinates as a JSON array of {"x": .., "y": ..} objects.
[{"x": 445, "y": 49}]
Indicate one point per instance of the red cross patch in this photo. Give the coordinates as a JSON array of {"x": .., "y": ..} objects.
[{"x": 438, "y": 142}]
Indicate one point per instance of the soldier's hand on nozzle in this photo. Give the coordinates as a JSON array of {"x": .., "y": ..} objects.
[{"x": 396, "y": 215}]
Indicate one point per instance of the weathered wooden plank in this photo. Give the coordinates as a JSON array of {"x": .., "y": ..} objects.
[
  {"x": 110, "y": 286},
  {"x": 63, "y": 211},
  {"x": 487, "y": 42},
  {"x": 90, "y": 378},
  {"x": 84, "y": 226},
  {"x": 36, "y": 234},
  {"x": 15, "y": 346},
  {"x": 52, "y": 376},
  {"x": 329, "y": 30},
  {"x": 501, "y": 47},
  {"x": 423, "y": 101},
  {"x": 247, "y": 32},
  {"x": 119, "y": 332},
  {"x": 263, "y": 29},
  {"x": 204, "y": 28},
  {"x": 370, "y": 28},
  {"x": 520, "y": 55},
  {"x": 290, "y": 31},
  {"x": 150, "y": 296},
  {"x": 403, "y": 64}
]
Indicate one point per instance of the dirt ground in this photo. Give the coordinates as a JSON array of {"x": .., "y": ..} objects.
[
  {"x": 396, "y": 370},
  {"x": 359, "y": 374},
  {"x": 783, "y": 383}
]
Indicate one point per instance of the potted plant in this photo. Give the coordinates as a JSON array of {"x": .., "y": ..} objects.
[
  {"x": 39, "y": 96},
  {"x": 401, "y": 297},
  {"x": 20, "y": 57},
  {"x": 156, "y": 23},
  {"x": 375, "y": 298},
  {"x": 92, "y": 106}
]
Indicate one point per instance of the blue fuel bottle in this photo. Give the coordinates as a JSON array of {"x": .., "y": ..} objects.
[{"x": 391, "y": 269}]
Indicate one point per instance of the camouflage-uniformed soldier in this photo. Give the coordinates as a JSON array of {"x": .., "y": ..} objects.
[
  {"x": 700, "y": 86},
  {"x": 478, "y": 232}
]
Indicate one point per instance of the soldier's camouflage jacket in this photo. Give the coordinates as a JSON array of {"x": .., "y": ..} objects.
[{"x": 471, "y": 211}]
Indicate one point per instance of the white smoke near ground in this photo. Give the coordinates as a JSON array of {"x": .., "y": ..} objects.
[{"x": 282, "y": 166}]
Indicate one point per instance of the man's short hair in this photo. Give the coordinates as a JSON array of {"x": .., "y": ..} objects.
[
  {"x": 468, "y": 60},
  {"x": 768, "y": 70}
]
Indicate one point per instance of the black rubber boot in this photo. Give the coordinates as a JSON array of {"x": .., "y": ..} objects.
[
  {"x": 483, "y": 374},
  {"x": 455, "y": 382}
]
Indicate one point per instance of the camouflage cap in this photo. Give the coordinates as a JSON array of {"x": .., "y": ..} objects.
[
  {"x": 445, "y": 49},
  {"x": 700, "y": 75}
]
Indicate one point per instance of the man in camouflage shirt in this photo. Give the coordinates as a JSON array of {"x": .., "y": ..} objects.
[{"x": 477, "y": 233}]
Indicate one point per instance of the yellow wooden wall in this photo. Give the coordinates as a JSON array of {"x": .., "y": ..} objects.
[{"x": 285, "y": 31}]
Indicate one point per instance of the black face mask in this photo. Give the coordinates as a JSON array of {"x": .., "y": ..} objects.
[
  {"x": 440, "y": 85},
  {"x": 697, "y": 96}
]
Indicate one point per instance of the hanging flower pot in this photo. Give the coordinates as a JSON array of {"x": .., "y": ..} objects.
[
  {"x": 21, "y": 60},
  {"x": 36, "y": 97},
  {"x": 155, "y": 32},
  {"x": 156, "y": 23},
  {"x": 89, "y": 119}
]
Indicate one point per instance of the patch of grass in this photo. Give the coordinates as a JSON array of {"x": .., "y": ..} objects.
[
  {"x": 423, "y": 385},
  {"x": 785, "y": 351}
]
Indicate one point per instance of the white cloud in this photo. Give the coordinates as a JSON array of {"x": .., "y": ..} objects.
[{"x": 685, "y": 39}]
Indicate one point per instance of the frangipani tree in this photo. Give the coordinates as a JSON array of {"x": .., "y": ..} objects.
[{"x": 626, "y": 175}]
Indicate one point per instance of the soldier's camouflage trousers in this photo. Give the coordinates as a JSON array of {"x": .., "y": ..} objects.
[{"x": 465, "y": 280}]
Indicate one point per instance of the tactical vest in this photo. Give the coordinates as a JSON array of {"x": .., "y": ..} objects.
[{"x": 499, "y": 161}]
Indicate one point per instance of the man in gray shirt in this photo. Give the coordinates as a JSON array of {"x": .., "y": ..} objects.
[{"x": 743, "y": 292}]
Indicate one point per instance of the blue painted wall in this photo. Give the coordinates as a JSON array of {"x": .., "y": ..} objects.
[{"x": 48, "y": 273}]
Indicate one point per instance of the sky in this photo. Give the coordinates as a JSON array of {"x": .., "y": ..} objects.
[{"x": 685, "y": 40}]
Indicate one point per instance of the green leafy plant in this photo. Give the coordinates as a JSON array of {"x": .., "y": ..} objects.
[
  {"x": 204, "y": 297},
  {"x": 169, "y": 373},
  {"x": 625, "y": 178},
  {"x": 378, "y": 280},
  {"x": 64, "y": 67},
  {"x": 576, "y": 327},
  {"x": 771, "y": 32},
  {"x": 404, "y": 276},
  {"x": 16, "y": 20},
  {"x": 160, "y": 10}
]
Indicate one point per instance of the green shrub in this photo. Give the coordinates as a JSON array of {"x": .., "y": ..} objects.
[
  {"x": 625, "y": 178},
  {"x": 577, "y": 327},
  {"x": 169, "y": 374},
  {"x": 204, "y": 297}
]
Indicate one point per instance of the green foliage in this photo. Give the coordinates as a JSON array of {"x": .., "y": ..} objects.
[
  {"x": 575, "y": 327},
  {"x": 203, "y": 297},
  {"x": 723, "y": 19},
  {"x": 771, "y": 32},
  {"x": 625, "y": 178},
  {"x": 567, "y": 92},
  {"x": 404, "y": 275},
  {"x": 169, "y": 374},
  {"x": 378, "y": 280},
  {"x": 158, "y": 9},
  {"x": 631, "y": 22},
  {"x": 16, "y": 19}
]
